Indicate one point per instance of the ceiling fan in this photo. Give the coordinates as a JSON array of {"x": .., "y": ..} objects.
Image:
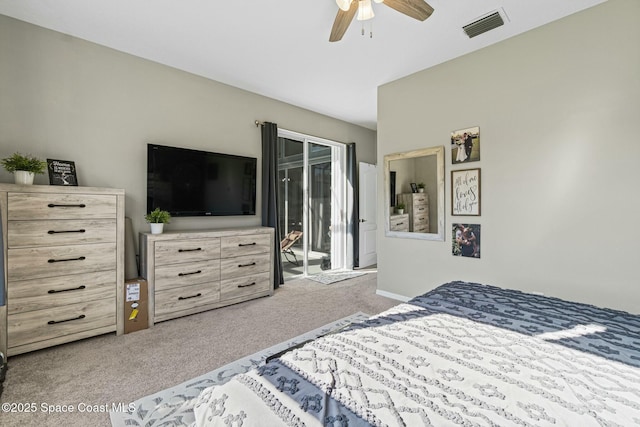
[{"x": 418, "y": 9}]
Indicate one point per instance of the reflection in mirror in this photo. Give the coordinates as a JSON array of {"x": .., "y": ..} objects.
[{"x": 414, "y": 194}]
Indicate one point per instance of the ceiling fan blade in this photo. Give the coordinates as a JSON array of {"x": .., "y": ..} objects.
[
  {"x": 418, "y": 9},
  {"x": 343, "y": 19}
]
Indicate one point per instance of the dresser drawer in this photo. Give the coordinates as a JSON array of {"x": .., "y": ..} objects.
[
  {"x": 28, "y": 206},
  {"x": 420, "y": 219},
  {"x": 244, "y": 286},
  {"x": 29, "y": 295},
  {"x": 33, "y": 263},
  {"x": 60, "y": 232},
  {"x": 421, "y": 210},
  {"x": 244, "y": 245},
  {"x": 423, "y": 228},
  {"x": 179, "y": 251},
  {"x": 244, "y": 266},
  {"x": 399, "y": 222},
  {"x": 420, "y": 199},
  {"x": 190, "y": 273},
  {"x": 170, "y": 302},
  {"x": 40, "y": 325}
]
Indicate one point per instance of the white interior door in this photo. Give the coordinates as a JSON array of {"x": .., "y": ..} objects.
[{"x": 368, "y": 192}]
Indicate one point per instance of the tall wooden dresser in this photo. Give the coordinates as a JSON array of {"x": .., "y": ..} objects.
[
  {"x": 63, "y": 250},
  {"x": 417, "y": 206},
  {"x": 193, "y": 271}
]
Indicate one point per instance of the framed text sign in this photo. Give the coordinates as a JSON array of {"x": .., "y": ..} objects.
[
  {"x": 62, "y": 172},
  {"x": 465, "y": 192}
]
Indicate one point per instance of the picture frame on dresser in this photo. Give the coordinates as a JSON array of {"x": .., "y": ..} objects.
[
  {"x": 62, "y": 172},
  {"x": 465, "y": 192}
]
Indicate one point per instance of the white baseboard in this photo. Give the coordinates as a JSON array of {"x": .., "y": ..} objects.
[{"x": 392, "y": 295}]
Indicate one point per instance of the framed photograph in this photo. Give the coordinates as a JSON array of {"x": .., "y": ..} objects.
[
  {"x": 414, "y": 187},
  {"x": 465, "y": 145},
  {"x": 465, "y": 240},
  {"x": 465, "y": 192},
  {"x": 62, "y": 172}
]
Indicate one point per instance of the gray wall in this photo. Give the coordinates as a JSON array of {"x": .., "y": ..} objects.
[
  {"x": 558, "y": 111},
  {"x": 66, "y": 98}
]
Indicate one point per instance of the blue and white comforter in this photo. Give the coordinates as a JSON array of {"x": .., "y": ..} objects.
[{"x": 462, "y": 354}]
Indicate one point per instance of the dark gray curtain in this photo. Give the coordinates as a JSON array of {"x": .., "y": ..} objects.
[
  {"x": 1, "y": 266},
  {"x": 353, "y": 225},
  {"x": 270, "y": 193}
]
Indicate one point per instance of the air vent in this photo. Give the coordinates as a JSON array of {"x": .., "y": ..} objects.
[{"x": 483, "y": 25}]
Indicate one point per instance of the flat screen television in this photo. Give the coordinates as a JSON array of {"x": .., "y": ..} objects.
[{"x": 200, "y": 183}]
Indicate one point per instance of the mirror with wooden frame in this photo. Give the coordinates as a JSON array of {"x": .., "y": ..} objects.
[{"x": 416, "y": 179}]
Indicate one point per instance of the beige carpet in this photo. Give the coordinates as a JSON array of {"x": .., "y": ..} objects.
[{"x": 100, "y": 371}]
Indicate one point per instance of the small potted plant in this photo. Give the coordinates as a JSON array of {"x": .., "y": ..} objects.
[
  {"x": 24, "y": 167},
  {"x": 421, "y": 187},
  {"x": 157, "y": 219},
  {"x": 400, "y": 208}
]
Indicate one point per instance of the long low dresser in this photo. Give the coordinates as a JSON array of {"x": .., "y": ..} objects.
[
  {"x": 63, "y": 252},
  {"x": 192, "y": 271}
]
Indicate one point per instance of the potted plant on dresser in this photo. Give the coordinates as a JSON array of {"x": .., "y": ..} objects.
[
  {"x": 421, "y": 187},
  {"x": 157, "y": 219},
  {"x": 24, "y": 167},
  {"x": 400, "y": 208}
]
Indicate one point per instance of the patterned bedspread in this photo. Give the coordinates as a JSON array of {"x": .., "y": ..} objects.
[{"x": 462, "y": 354}]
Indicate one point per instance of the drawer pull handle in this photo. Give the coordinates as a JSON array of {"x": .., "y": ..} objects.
[
  {"x": 247, "y": 244},
  {"x": 400, "y": 223},
  {"x": 246, "y": 265},
  {"x": 54, "y": 291},
  {"x": 82, "y": 230},
  {"x": 53, "y": 205},
  {"x": 192, "y": 296},
  {"x": 189, "y": 274},
  {"x": 189, "y": 250},
  {"x": 80, "y": 258},
  {"x": 247, "y": 285},
  {"x": 55, "y": 322}
]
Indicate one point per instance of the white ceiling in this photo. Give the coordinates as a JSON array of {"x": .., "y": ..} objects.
[{"x": 280, "y": 48}]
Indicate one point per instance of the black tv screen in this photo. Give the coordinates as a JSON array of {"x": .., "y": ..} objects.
[{"x": 199, "y": 183}]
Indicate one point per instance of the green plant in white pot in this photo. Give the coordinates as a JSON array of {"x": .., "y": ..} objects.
[
  {"x": 421, "y": 187},
  {"x": 400, "y": 208},
  {"x": 24, "y": 167},
  {"x": 157, "y": 219}
]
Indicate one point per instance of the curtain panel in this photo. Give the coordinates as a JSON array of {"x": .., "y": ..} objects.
[{"x": 270, "y": 194}]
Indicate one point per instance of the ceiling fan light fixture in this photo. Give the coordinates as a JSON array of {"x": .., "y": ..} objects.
[
  {"x": 365, "y": 11},
  {"x": 344, "y": 4}
]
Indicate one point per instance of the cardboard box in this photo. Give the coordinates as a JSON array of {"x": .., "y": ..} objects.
[{"x": 136, "y": 305}]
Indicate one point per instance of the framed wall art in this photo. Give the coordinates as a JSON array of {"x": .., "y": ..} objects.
[
  {"x": 465, "y": 192},
  {"x": 465, "y": 145},
  {"x": 465, "y": 240}
]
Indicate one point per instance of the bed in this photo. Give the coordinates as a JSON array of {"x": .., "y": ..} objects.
[{"x": 463, "y": 354}]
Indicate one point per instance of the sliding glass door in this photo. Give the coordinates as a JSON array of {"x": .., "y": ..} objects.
[{"x": 311, "y": 202}]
